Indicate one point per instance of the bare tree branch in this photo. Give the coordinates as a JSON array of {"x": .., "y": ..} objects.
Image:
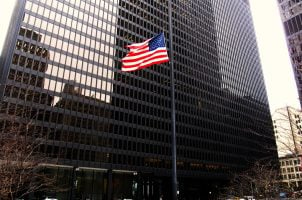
[{"x": 21, "y": 161}]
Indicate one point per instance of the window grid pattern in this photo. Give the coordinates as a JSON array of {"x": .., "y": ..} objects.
[
  {"x": 291, "y": 15},
  {"x": 66, "y": 72}
]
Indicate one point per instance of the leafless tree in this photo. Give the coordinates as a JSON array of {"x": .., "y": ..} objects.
[
  {"x": 288, "y": 131},
  {"x": 263, "y": 179},
  {"x": 260, "y": 181},
  {"x": 21, "y": 161}
]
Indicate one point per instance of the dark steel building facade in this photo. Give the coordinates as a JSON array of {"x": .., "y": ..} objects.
[
  {"x": 291, "y": 15},
  {"x": 112, "y": 130}
]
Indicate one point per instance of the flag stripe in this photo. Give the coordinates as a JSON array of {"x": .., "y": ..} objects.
[
  {"x": 135, "y": 53},
  {"x": 145, "y": 47},
  {"x": 145, "y": 59},
  {"x": 148, "y": 62},
  {"x": 155, "y": 61},
  {"x": 143, "y": 55},
  {"x": 138, "y": 45},
  {"x": 144, "y": 66}
]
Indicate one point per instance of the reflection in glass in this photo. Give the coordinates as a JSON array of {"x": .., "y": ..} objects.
[{"x": 86, "y": 66}]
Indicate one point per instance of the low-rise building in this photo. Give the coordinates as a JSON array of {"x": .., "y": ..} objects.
[
  {"x": 291, "y": 171},
  {"x": 287, "y": 128},
  {"x": 288, "y": 131}
]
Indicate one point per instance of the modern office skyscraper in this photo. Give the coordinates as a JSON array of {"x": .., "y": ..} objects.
[
  {"x": 291, "y": 15},
  {"x": 112, "y": 130}
]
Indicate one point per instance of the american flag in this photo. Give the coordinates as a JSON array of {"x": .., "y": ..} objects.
[{"x": 144, "y": 54}]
